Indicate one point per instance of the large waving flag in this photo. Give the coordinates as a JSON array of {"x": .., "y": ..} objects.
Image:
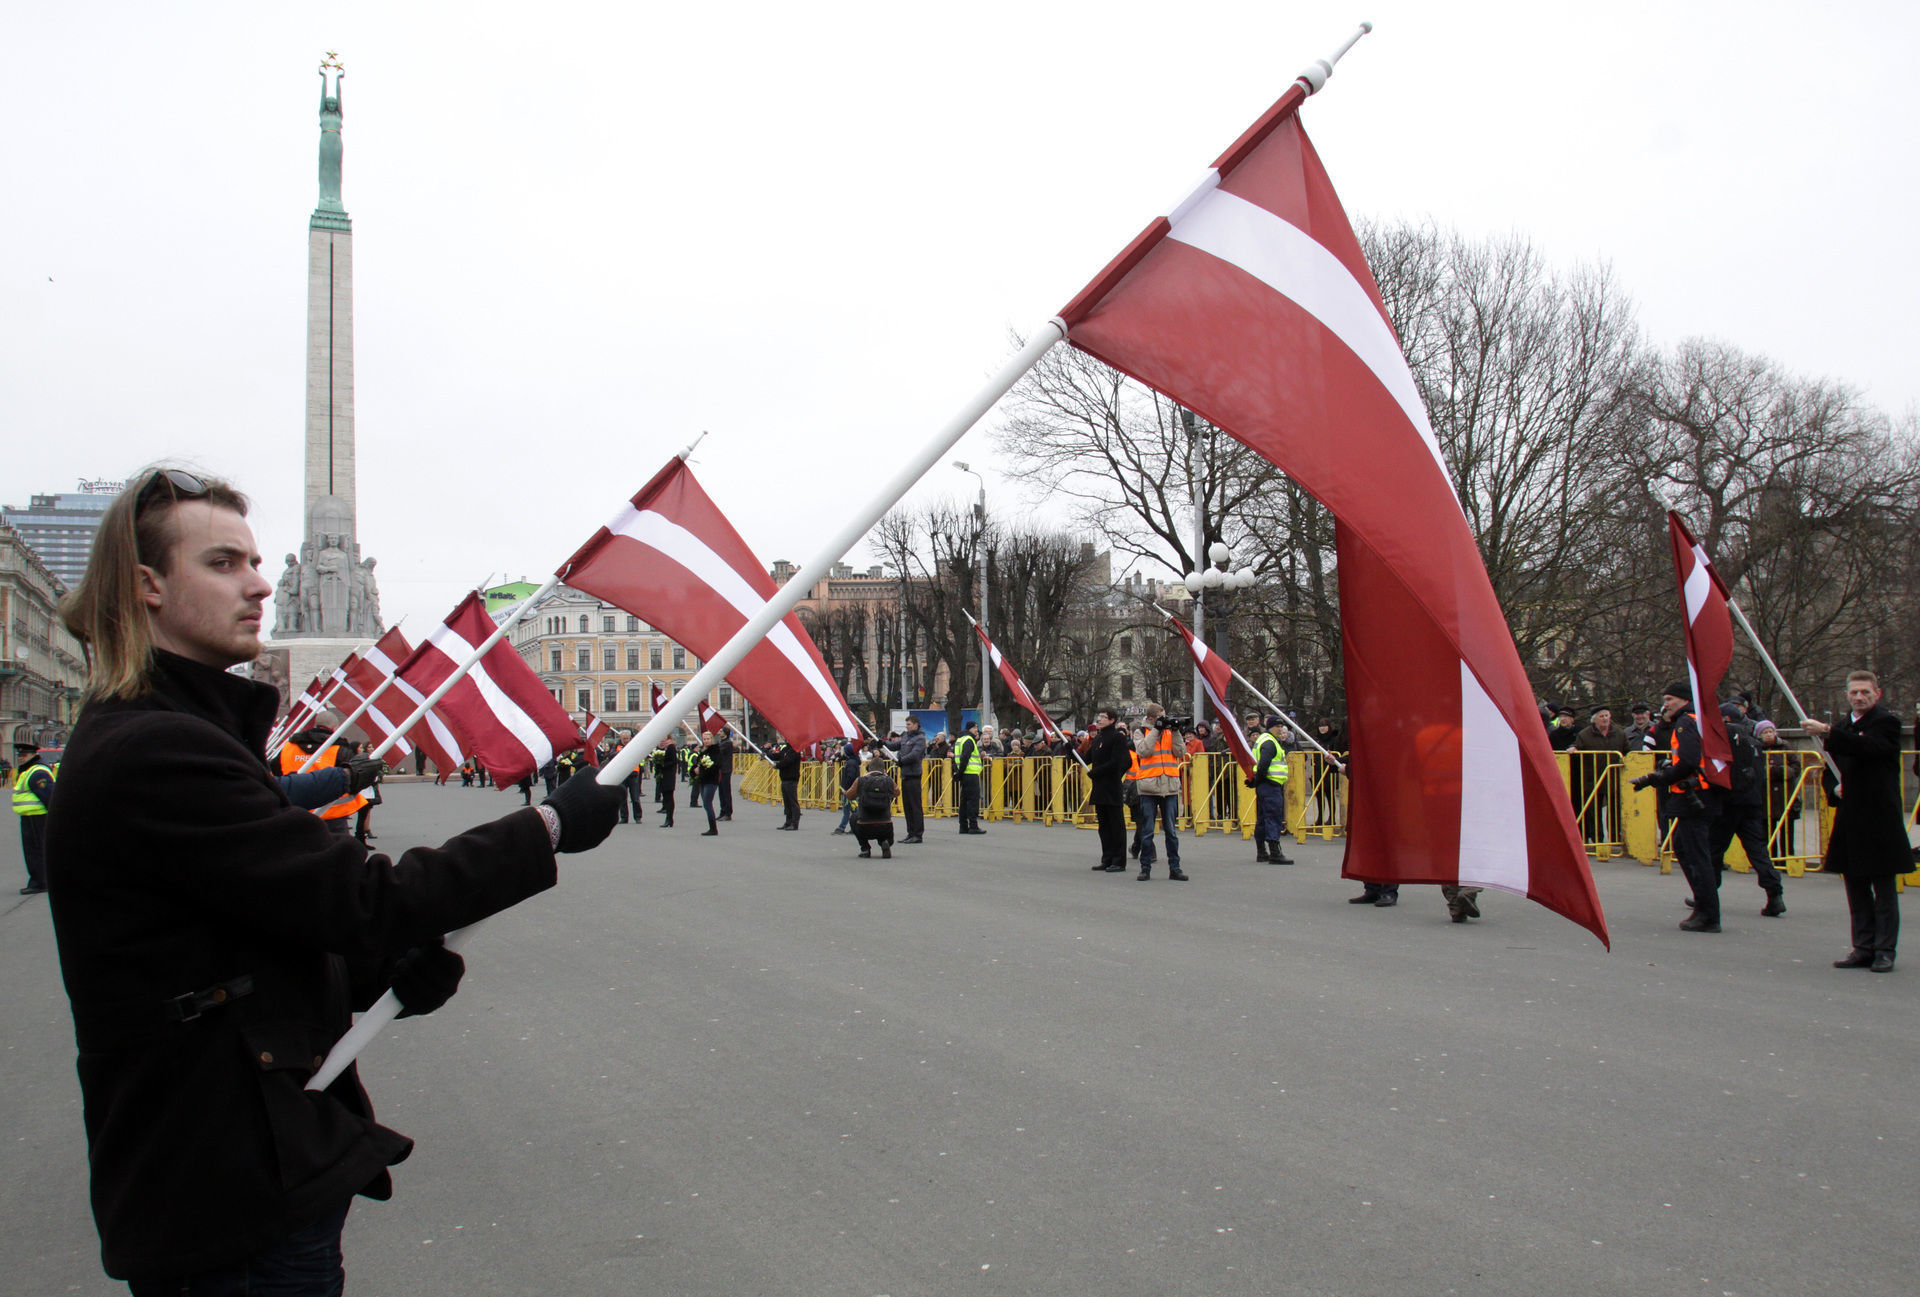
[
  {"x": 1251, "y": 304},
  {"x": 1216, "y": 673},
  {"x": 1015, "y": 685},
  {"x": 1703, "y": 598},
  {"x": 500, "y": 711},
  {"x": 672, "y": 558}
]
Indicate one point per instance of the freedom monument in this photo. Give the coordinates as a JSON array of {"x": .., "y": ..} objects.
[{"x": 327, "y": 600}]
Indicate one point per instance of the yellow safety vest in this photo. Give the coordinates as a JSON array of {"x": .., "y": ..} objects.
[
  {"x": 971, "y": 763},
  {"x": 24, "y": 802},
  {"x": 1277, "y": 768}
]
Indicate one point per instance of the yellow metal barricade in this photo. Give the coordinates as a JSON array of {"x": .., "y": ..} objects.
[
  {"x": 1795, "y": 809},
  {"x": 1323, "y": 796},
  {"x": 1594, "y": 782},
  {"x": 938, "y": 797},
  {"x": 759, "y": 781},
  {"x": 1218, "y": 802}
]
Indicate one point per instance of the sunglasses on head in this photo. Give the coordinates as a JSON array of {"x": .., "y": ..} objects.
[{"x": 180, "y": 484}]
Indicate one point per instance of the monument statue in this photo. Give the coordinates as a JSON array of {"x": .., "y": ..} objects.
[
  {"x": 328, "y": 589},
  {"x": 330, "y": 148}
]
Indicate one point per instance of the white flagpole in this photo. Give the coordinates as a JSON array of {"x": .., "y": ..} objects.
[
  {"x": 715, "y": 669},
  {"x": 486, "y": 646},
  {"x": 857, "y": 525},
  {"x": 1272, "y": 707},
  {"x": 1778, "y": 679},
  {"x": 342, "y": 727},
  {"x": 1753, "y": 637},
  {"x": 1048, "y": 719}
]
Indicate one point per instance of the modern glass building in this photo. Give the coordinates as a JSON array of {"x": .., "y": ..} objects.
[{"x": 60, "y": 527}]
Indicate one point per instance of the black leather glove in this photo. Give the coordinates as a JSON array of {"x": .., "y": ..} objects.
[
  {"x": 426, "y": 977},
  {"x": 1249, "y": 783},
  {"x": 364, "y": 772},
  {"x": 588, "y": 810},
  {"x": 1643, "y": 781}
]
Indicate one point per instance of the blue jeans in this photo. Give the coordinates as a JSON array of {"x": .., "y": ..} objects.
[
  {"x": 304, "y": 1264},
  {"x": 707, "y": 793},
  {"x": 1168, "y": 809}
]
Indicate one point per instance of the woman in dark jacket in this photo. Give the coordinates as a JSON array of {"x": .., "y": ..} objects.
[{"x": 1108, "y": 758}]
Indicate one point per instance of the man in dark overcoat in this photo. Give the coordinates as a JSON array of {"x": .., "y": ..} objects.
[
  {"x": 1107, "y": 762},
  {"x": 214, "y": 939},
  {"x": 1868, "y": 845}
]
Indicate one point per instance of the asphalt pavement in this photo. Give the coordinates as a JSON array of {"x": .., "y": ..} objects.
[{"x": 756, "y": 1064}]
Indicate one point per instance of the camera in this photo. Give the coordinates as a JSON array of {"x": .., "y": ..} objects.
[{"x": 1172, "y": 722}]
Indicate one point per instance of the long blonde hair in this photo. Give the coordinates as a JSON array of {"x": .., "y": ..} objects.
[{"x": 105, "y": 611}]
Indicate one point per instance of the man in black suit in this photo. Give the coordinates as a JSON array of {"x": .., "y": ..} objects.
[{"x": 1868, "y": 845}]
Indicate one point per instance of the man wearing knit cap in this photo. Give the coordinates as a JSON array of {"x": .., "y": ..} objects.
[{"x": 1687, "y": 799}]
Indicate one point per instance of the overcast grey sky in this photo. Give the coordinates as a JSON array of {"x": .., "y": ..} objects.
[{"x": 583, "y": 233}]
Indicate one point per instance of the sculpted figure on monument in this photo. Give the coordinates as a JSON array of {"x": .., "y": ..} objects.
[
  {"x": 363, "y": 609},
  {"x": 334, "y": 584},
  {"x": 286, "y": 607},
  {"x": 309, "y": 592},
  {"x": 330, "y": 142}
]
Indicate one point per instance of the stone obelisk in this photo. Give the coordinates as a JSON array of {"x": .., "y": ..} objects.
[{"x": 328, "y": 591}]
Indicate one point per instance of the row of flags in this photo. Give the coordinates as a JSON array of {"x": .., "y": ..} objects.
[
  {"x": 1250, "y": 303},
  {"x": 669, "y": 557}
]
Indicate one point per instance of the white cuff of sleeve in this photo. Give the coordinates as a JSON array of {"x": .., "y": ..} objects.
[{"x": 552, "y": 817}]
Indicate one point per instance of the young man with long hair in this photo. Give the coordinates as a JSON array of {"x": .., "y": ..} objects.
[{"x": 215, "y": 939}]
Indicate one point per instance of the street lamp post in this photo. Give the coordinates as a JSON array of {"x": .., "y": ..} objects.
[
  {"x": 1217, "y": 573},
  {"x": 980, "y": 557}
]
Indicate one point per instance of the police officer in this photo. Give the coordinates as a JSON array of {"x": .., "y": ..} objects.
[
  {"x": 1269, "y": 784},
  {"x": 1689, "y": 802},
  {"x": 969, "y": 765},
  {"x": 32, "y": 796}
]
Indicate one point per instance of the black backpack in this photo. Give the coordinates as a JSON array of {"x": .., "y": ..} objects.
[
  {"x": 874, "y": 793},
  {"x": 1744, "y": 774}
]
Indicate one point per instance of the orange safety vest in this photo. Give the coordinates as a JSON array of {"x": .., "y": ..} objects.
[
  {"x": 1673, "y": 746},
  {"x": 292, "y": 758},
  {"x": 1161, "y": 763},
  {"x": 1133, "y": 764}
]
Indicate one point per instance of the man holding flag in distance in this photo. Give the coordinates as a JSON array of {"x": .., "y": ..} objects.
[
  {"x": 209, "y": 930},
  {"x": 1707, "y": 609}
]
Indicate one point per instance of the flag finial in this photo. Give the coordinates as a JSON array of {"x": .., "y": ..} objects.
[{"x": 1316, "y": 73}]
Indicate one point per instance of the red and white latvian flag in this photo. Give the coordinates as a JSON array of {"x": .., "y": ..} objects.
[
  {"x": 432, "y": 732},
  {"x": 501, "y": 713},
  {"x": 1015, "y": 685},
  {"x": 301, "y": 714},
  {"x": 1215, "y": 675},
  {"x": 672, "y": 559},
  {"x": 593, "y": 731},
  {"x": 391, "y": 707},
  {"x": 1703, "y": 598},
  {"x": 1251, "y": 304},
  {"x": 656, "y": 696},
  {"x": 711, "y": 721},
  {"x": 362, "y": 681}
]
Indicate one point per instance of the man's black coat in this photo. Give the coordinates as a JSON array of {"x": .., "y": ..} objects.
[
  {"x": 176, "y": 865},
  {"x": 1869, "y": 838}
]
